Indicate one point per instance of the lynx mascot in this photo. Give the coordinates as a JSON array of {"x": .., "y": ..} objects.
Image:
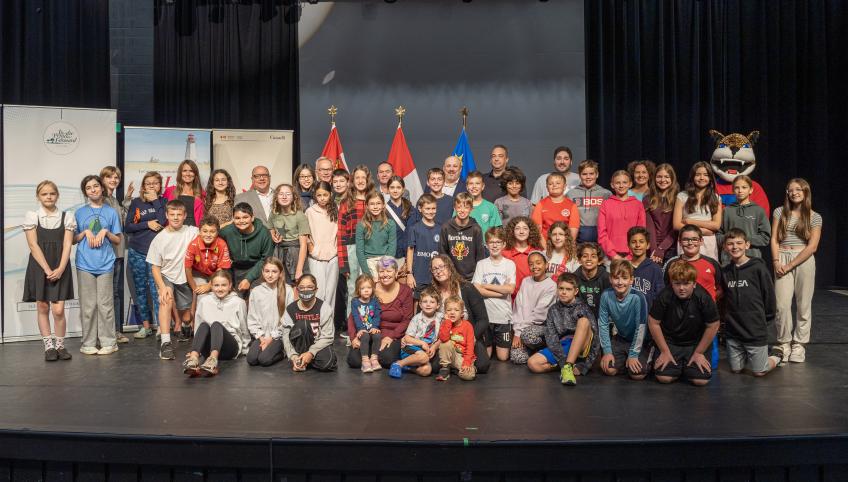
[{"x": 733, "y": 156}]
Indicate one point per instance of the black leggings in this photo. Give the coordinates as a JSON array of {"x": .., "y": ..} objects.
[
  {"x": 215, "y": 337},
  {"x": 369, "y": 344},
  {"x": 267, "y": 357},
  {"x": 386, "y": 356}
]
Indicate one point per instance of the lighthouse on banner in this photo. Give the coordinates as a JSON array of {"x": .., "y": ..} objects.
[{"x": 191, "y": 148}]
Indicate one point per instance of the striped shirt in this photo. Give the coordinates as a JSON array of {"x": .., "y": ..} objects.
[{"x": 791, "y": 238}]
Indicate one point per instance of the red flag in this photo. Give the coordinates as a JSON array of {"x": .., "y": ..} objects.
[
  {"x": 333, "y": 149},
  {"x": 401, "y": 161}
]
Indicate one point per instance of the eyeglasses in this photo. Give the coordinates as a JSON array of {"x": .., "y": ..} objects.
[
  {"x": 438, "y": 269},
  {"x": 305, "y": 176},
  {"x": 689, "y": 240},
  {"x": 261, "y": 176},
  {"x": 496, "y": 242},
  {"x": 285, "y": 194}
]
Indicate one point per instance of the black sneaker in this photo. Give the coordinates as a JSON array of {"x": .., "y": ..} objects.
[
  {"x": 181, "y": 336},
  {"x": 444, "y": 374},
  {"x": 63, "y": 354},
  {"x": 166, "y": 351},
  {"x": 51, "y": 354}
]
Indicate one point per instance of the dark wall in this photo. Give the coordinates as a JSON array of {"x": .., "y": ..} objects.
[
  {"x": 131, "y": 68},
  {"x": 661, "y": 74}
]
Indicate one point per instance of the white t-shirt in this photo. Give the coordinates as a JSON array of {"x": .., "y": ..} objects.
[
  {"x": 48, "y": 220},
  {"x": 701, "y": 213},
  {"x": 168, "y": 251},
  {"x": 450, "y": 189},
  {"x": 490, "y": 273}
]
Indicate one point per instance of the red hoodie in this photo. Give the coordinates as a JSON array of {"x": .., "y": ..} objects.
[
  {"x": 615, "y": 217},
  {"x": 463, "y": 339}
]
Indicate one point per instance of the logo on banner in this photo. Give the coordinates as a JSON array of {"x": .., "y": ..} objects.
[{"x": 61, "y": 138}]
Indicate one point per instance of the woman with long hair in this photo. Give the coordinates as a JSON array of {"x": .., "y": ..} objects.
[
  {"x": 220, "y": 196},
  {"x": 188, "y": 190},
  {"x": 659, "y": 209},
  {"x": 699, "y": 204}
]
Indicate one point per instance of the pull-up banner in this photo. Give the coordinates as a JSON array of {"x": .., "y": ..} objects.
[
  {"x": 59, "y": 144},
  {"x": 240, "y": 151}
]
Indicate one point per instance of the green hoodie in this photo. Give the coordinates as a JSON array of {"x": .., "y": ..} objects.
[{"x": 249, "y": 250}]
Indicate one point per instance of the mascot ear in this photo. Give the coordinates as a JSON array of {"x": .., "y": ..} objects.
[
  {"x": 754, "y": 137},
  {"x": 716, "y": 135}
]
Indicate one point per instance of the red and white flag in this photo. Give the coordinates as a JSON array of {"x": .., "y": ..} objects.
[
  {"x": 401, "y": 162},
  {"x": 333, "y": 149}
]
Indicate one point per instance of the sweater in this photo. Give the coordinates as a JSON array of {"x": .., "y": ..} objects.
[
  {"x": 394, "y": 316},
  {"x": 324, "y": 234},
  {"x": 263, "y": 317},
  {"x": 588, "y": 202},
  {"x": 462, "y": 336},
  {"x": 648, "y": 279},
  {"x": 615, "y": 217},
  {"x": 135, "y": 224},
  {"x": 748, "y": 303},
  {"x": 532, "y": 303},
  {"x": 248, "y": 250},
  {"x": 382, "y": 242},
  {"x": 750, "y": 218},
  {"x": 630, "y": 317},
  {"x": 464, "y": 245},
  {"x": 230, "y": 311},
  {"x": 561, "y": 322},
  {"x": 591, "y": 288},
  {"x": 366, "y": 316},
  {"x": 660, "y": 225}
]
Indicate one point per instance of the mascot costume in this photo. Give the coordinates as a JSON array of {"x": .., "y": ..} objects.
[{"x": 734, "y": 156}]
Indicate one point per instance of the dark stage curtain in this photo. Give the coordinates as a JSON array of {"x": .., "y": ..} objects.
[
  {"x": 660, "y": 74},
  {"x": 225, "y": 64},
  {"x": 54, "y": 52}
]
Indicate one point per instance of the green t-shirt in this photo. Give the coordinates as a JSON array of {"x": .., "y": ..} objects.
[
  {"x": 291, "y": 225},
  {"x": 487, "y": 216}
]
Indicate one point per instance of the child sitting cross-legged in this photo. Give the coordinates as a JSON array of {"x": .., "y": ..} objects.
[
  {"x": 421, "y": 342},
  {"x": 457, "y": 348},
  {"x": 624, "y": 307}
]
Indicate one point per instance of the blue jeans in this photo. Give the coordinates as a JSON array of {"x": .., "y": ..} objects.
[{"x": 145, "y": 287}]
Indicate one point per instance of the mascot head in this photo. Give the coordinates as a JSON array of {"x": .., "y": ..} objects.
[{"x": 733, "y": 154}]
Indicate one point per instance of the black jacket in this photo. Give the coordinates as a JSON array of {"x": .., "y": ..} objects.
[
  {"x": 748, "y": 304},
  {"x": 591, "y": 288}
]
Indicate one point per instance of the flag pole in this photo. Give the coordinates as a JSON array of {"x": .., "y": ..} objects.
[
  {"x": 464, "y": 113},
  {"x": 332, "y": 111},
  {"x": 399, "y": 113}
]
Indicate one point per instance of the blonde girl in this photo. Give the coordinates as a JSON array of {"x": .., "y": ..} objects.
[
  {"x": 618, "y": 213},
  {"x": 795, "y": 234},
  {"x": 49, "y": 233},
  {"x": 267, "y": 303},
  {"x": 289, "y": 230},
  {"x": 699, "y": 204},
  {"x": 323, "y": 261},
  {"x": 561, "y": 251},
  {"x": 376, "y": 234}
]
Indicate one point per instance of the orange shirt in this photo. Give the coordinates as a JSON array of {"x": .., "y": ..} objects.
[
  {"x": 548, "y": 212},
  {"x": 208, "y": 259},
  {"x": 463, "y": 339}
]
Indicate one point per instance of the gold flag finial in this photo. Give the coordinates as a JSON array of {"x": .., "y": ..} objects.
[
  {"x": 332, "y": 111},
  {"x": 464, "y": 113},
  {"x": 400, "y": 112}
]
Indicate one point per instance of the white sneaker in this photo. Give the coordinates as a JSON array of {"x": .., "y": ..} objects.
[
  {"x": 88, "y": 350},
  {"x": 798, "y": 354},
  {"x": 143, "y": 333},
  {"x": 107, "y": 350}
]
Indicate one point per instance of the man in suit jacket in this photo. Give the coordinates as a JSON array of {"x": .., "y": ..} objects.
[{"x": 260, "y": 196}]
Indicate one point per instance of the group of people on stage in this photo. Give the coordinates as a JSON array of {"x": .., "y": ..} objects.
[{"x": 634, "y": 279}]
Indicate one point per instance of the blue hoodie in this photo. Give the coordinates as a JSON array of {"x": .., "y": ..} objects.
[{"x": 648, "y": 280}]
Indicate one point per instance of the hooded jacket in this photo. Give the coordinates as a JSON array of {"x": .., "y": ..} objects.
[
  {"x": 748, "y": 304},
  {"x": 231, "y": 311},
  {"x": 615, "y": 217},
  {"x": 750, "y": 218},
  {"x": 592, "y": 288},
  {"x": 248, "y": 250},
  {"x": 648, "y": 279},
  {"x": 463, "y": 244}
]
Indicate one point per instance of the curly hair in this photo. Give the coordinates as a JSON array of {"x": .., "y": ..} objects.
[
  {"x": 534, "y": 240},
  {"x": 568, "y": 247},
  {"x": 210, "y": 189}
]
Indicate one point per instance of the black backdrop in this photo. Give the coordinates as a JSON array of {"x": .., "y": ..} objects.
[
  {"x": 660, "y": 74},
  {"x": 54, "y": 53},
  {"x": 225, "y": 64}
]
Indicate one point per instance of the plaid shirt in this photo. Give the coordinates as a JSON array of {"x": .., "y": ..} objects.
[{"x": 347, "y": 231}]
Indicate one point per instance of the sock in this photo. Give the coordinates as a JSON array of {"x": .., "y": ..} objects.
[
  {"x": 48, "y": 342},
  {"x": 60, "y": 342},
  {"x": 166, "y": 338}
]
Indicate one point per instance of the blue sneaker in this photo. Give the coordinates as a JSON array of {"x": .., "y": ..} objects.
[{"x": 395, "y": 371}]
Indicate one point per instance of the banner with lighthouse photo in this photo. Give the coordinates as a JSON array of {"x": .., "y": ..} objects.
[{"x": 162, "y": 150}]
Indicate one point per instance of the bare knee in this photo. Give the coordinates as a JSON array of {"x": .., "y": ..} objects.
[
  {"x": 699, "y": 382},
  {"x": 637, "y": 376},
  {"x": 43, "y": 307},
  {"x": 665, "y": 379},
  {"x": 424, "y": 370},
  {"x": 608, "y": 370},
  {"x": 58, "y": 310},
  {"x": 760, "y": 374},
  {"x": 536, "y": 365}
]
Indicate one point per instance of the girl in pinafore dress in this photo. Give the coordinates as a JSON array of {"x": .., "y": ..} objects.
[{"x": 49, "y": 234}]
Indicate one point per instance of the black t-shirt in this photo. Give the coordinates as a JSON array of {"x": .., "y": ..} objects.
[{"x": 683, "y": 321}]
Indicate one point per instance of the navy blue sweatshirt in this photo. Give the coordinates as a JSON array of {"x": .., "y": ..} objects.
[
  {"x": 138, "y": 214},
  {"x": 648, "y": 280},
  {"x": 748, "y": 303}
]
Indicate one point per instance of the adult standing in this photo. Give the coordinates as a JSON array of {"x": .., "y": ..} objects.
[
  {"x": 324, "y": 169},
  {"x": 188, "y": 190},
  {"x": 396, "y": 307},
  {"x": 499, "y": 159},
  {"x": 562, "y": 164},
  {"x": 452, "y": 167},
  {"x": 260, "y": 196},
  {"x": 450, "y": 283},
  {"x": 385, "y": 172}
]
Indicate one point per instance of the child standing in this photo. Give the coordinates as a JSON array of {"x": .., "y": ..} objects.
[
  {"x": 399, "y": 209},
  {"x": 365, "y": 311},
  {"x": 268, "y": 301},
  {"x": 444, "y": 201},
  {"x": 683, "y": 322},
  {"x": 625, "y": 308},
  {"x": 49, "y": 234},
  {"x": 513, "y": 204},
  {"x": 796, "y": 231},
  {"x": 421, "y": 341},
  {"x": 699, "y": 204},
  {"x": 205, "y": 255},
  {"x": 461, "y": 238},
  {"x": 618, "y": 214},
  {"x": 748, "y": 216},
  {"x": 556, "y": 207},
  {"x": 221, "y": 332},
  {"x": 588, "y": 197},
  {"x": 423, "y": 244},
  {"x": 304, "y": 185},
  {"x": 456, "y": 350},
  {"x": 659, "y": 206},
  {"x": 323, "y": 262},
  {"x": 220, "y": 197},
  {"x": 376, "y": 235},
  {"x": 592, "y": 275},
  {"x": 308, "y": 329},
  {"x": 522, "y": 238},
  {"x": 570, "y": 335},
  {"x": 167, "y": 255},
  {"x": 748, "y": 306},
  {"x": 647, "y": 275},
  {"x": 562, "y": 257},
  {"x": 536, "y": 294},
  {"x": 494, "y": 278},
  {"x": 483, "y": 211},
  {"x": 111, "y": 177},
  {"x": 98, "y": 229},
  {"x": 289, "y": 230}
]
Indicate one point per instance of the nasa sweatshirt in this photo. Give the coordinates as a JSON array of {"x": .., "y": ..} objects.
[{"x": 748, "y": 303}]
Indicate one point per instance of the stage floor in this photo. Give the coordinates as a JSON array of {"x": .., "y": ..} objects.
[{"x": 134, "y": 393}]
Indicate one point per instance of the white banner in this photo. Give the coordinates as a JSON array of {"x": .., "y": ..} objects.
[
  {"x": 240, "y": 151},
  {"x": 59, "y": 144},
  {"x": 162, "y": 150}
]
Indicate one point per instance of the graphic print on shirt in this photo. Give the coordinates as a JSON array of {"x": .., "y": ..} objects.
[
  {"x": 312, "y": 317},
  {"x": 459, "y": 250},
  {"x": 366, "y": 314}
]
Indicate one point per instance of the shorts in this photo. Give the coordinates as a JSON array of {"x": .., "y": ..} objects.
[
  {"x": 419, "y": 288},
  {"x": 566, "y": 345},
  {"x": 501, "y": 334},
  {"x": 409, "y": 350},
  {"x": 681, "y": 355},
  {"x": 182, "y": 294},
  {"x": 620, "y": 350},
  {"x": 756, "y": 356}
]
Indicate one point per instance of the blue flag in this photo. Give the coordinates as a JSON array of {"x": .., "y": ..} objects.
[{"x": 463, "y": 152}]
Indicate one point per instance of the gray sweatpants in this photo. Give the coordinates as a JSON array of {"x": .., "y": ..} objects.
[
  {"x": 97, "y": 309},
  {"x": 800, "y": 283}
]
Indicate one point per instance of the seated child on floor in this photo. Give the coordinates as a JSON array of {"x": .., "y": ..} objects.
[
  {"x": 456, "y": 350},
  {"x": 365, "y": 311},
  {"x": 625, "y": 308},
  {"x": 421, "y": 342}
]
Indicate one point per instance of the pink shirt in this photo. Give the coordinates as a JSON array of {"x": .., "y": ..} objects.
[{"x": 615, "y": 217}]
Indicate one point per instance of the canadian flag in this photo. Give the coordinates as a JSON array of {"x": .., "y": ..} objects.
[
  {"x": 401, "y": 162},
  {"x": 333, "y": 149}
]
